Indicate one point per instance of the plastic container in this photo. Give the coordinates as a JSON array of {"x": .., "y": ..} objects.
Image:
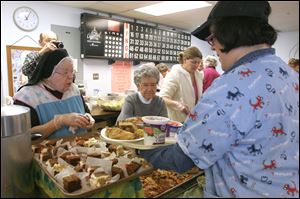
[
  {"x": 112, "y": 102},
  {"x": 155, "y": 129},
  {"x": 173, "y": 128}
]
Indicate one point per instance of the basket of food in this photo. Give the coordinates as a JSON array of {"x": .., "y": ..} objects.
[{"x": 111, "y": 102}]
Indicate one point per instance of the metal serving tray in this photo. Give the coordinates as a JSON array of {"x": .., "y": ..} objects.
[{"x": 90, "y": 191}]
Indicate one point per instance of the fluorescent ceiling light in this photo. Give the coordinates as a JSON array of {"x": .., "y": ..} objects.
[{"x": 169, "y": 7}]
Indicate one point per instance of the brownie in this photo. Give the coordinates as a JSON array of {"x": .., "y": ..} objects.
[
  {"x": 132, "y": 167},
  {"x": 112, "y": 148},
  {"x": 73, "y": 159},
  {"x": 72, "y": 183},
  {"x": 116, "y": 170},
  {"x": 115, "y": 161},
  {"x": 65, "y": 154}
]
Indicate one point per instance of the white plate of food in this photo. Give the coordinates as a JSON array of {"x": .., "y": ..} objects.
[{"x": 103, "y": 134}]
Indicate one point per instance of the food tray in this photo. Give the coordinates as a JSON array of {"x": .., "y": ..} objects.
[
  {"x": 90, "y": 192},
  {"x": 41, "y": 169},
  {"x": 139, "y": 144},
  {"x": 181, "y": 187}
]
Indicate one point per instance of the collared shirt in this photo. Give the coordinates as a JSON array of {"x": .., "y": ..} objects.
[
  {"x": 245, "y": 130},
  {"x": 135, "y": 107},
  {"x": 144, "y": 100}
]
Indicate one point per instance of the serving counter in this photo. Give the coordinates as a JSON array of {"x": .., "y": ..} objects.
[{"x": 106, "y": 118}]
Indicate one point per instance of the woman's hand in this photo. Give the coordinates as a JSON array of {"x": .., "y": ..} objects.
[
  {"x": 182, "y": 108},
  {"x": 72, "y": 119},
  {"x": 49, "y": 46},
  {"x": 91, "y": 119}
]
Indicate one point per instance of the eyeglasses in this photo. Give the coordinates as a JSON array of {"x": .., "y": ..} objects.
[
  {"x": 65, "y": 73},
  {"x": 210, "y": 39}
]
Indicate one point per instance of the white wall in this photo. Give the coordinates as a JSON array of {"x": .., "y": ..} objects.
[
  {"x": 287, "y": 45},
  {"x": 205, "y": 50},
  {"x": 60, "y": 15}
]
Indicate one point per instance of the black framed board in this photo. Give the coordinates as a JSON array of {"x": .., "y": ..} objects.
[{"x": 113, "y": 39}]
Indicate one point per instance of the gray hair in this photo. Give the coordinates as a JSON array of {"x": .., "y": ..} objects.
[
  {"x": 210, "y": 61},
  {"x": 146, "y": 70}
]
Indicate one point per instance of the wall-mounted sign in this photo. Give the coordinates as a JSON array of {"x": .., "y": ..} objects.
[
  {"x": 105, "y": 38},
  {"x": 101, "y": 38}
]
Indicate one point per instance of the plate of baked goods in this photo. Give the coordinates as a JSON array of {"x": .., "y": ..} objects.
[{"x": 117, "y": 134}]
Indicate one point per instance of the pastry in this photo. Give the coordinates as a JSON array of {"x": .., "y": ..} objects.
[
  {"x": 117, "y": 170},
  {"x": 132, "y": 167},
  {"x": 72, "y": 183},
  {"x": 119, "y": 134}
]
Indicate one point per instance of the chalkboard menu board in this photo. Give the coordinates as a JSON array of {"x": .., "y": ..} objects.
[{"x": 106, "y": 38}]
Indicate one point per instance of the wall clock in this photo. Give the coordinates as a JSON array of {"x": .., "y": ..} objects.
[{"x": 26, "y": 18}]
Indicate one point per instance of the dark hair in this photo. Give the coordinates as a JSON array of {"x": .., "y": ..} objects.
[
  {"x": 46, "y": 64},
  {"x": 233, "y": 32}
]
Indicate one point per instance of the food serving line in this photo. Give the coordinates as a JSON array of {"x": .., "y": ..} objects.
[{"x": 50, "y": 185}]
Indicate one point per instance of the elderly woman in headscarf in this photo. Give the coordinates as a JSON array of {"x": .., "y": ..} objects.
[
  {"x": 145, "y": 101},
  {"x": 56, "y": 106}
]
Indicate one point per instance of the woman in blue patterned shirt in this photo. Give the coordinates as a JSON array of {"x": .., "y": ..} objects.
[{"x": 244, "y": 131}]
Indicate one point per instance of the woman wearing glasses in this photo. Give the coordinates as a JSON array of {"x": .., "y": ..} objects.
[
  {"x": 54, "y": 100},
  {"x": 245, "y": 135},
  {"x": 182, "y": 86}
]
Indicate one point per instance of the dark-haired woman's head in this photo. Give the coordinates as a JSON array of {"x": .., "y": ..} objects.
[
  {"x": 234, "y": 32},
  {"x": 235, "y": 28}
]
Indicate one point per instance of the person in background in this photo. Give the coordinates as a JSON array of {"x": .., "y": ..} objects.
[
  {"x": 182, "y": 87},
  {"x": 163, "y": 69},
  {"x": 294, "y": 63},
  {"x": 145, "y": 101},
  {"x": 210, "y": 73},
  {"x": 244, "y": 132},
  {"x": 55, "y": 103},
  {"x": 200, "y": 67},
  {"x": 31, "y": 60}
]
